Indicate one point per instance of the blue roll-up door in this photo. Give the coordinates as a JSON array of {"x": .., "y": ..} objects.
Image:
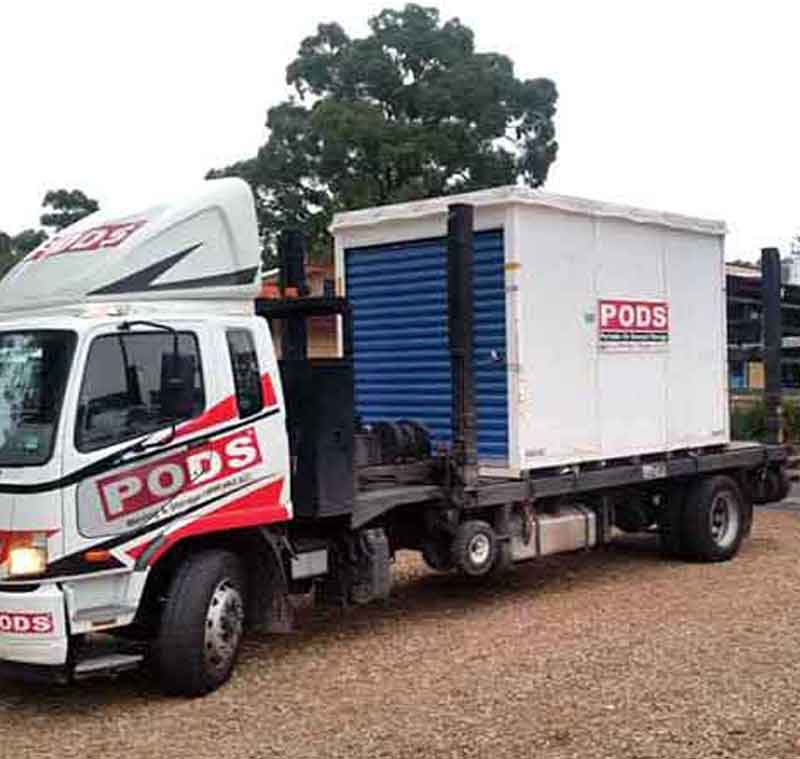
[{"x": 402, "y": 362}]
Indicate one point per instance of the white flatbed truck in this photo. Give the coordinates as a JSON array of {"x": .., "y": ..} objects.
[{"x": 166, "y": 482}]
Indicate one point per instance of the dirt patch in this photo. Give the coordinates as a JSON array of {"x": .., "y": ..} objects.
[{"x": 605, "y": 654}]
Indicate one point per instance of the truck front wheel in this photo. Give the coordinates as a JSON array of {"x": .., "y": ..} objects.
[
  {"x": 714, "y": 519},
  {"x": 201, "y": 624}
]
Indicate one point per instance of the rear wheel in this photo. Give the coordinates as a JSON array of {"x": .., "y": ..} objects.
[
  {"x": 714, "y": 519},
  {"x": 777, "y": 485},
  {"x": 771, "y": 486},
  {"x": 202, "y": 624},
  {"x": 474, "y": 549}
]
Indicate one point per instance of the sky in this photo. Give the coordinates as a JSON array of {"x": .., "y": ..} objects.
[{"x": 692, "y": 107}]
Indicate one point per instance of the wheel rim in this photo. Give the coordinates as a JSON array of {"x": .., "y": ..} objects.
[
  {"x": 724, "y": 518},
  {"x": 224, "y": 625},
  {"x": 479, "y": 549}
]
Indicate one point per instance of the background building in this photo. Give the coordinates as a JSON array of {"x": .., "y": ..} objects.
[
  {"x": 744, "y": 306},
  {"x": 322, "y": 340}
]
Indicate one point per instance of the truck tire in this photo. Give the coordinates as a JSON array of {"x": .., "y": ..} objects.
[
  {"x": 474, "y": 548},
  {"x": 201, "y": 625},
  {"x": 504, "y": 560},
  {"x": 714, "y": 519},
  {"x": 778, "y": 485}
]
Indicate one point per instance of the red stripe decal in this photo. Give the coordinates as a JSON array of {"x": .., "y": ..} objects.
[
  {"x": 137, "y": 551},
  {"x": 256, "y": 509},
  {"x": 224, "y": 411},
  {"x": 227, "y": 410},
  {"x": 268, "y": 391}
]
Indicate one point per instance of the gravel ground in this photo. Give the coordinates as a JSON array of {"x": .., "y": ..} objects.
[{"x": 616, "y": 653}]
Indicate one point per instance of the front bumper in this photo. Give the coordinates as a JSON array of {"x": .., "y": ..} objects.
[{"x": 33, "y": 627}]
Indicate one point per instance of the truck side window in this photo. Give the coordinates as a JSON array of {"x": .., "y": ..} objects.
[
  {"x": 120, "y": 395},
  {"x": 246, "y": 374}
]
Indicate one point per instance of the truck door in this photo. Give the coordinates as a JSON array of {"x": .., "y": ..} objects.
[{"x": 143, "y": 465}]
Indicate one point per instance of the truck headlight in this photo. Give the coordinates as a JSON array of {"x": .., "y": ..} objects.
[{"x": 28, "y": 557}]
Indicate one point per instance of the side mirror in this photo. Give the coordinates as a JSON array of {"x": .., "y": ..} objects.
[{"x": 177, "y": 386}]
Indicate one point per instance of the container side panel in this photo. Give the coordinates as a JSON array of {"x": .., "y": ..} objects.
[
  {"x": 697, "y": 398},
  {"x": 558, "y": 419},
  {"x": 631, "y": 380},
  {"x": 402, "y": 363}
]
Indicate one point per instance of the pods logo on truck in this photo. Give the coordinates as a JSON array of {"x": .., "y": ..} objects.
[
  {"x": 632, "y": 323},
  {"x": 138, "y": 490},
  {"x": 22, "y": 623},
  {"x": 88, "y": 240}
]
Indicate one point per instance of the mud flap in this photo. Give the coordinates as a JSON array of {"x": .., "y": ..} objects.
[
  {"x": 271, "y": 609},
  {"x": 360, "y": 571},
  {"x": 281, "y": 617}
]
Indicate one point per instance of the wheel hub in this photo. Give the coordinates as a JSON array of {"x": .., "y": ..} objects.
[
  {"x": 224, "y": 626},
  {"x": 724, "y": 518},
  {"x": 479, "y": 549}
]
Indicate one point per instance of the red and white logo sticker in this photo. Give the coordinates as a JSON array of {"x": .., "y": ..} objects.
[
  {"x": 105, "y": 236},
  {"x": 633, "y": 322},
  {"x": 22, "y": 623},
  {"x": 137, "y": 489}
]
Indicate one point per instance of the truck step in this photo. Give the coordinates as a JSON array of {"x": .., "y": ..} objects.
[{"x": 108, "y": 664}]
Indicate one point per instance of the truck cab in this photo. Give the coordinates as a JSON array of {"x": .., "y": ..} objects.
[{"x": 140, "y": 406}]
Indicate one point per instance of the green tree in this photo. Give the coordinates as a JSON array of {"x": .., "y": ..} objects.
[
  {"x": 65, "y": 208},
  {"x": 28, "y": 240},
  {"x": 7, "y": 257},
  {"x": 13, "y": 249},
  {"x": 409, "y": 111}
]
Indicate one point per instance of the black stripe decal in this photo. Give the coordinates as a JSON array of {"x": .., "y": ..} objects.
[
  {"x": 109, "y": 462},
  {"x": 241, "y": 277},
  {"x": 142, "y": 281}
]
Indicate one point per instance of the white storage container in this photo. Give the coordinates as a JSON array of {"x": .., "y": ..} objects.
[{"x": 599, "y": 328}]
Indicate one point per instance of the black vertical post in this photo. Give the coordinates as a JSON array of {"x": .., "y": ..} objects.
[
  {"x": 773, "y": 335},
  {"x": 291, "y": 252},
  {"x": 460, "y": 255}
]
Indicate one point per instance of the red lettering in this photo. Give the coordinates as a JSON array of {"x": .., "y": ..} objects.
[
  {"x": 158, "y": 481},
  {"x": 105, "y": 236},
  {"x": 22, "y": 623},
  {"x": 633, "y": 316}
]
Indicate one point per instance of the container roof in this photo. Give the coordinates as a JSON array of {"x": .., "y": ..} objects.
[
  {"x": 203, "y": 247},
  {"x": 518, "y": 195}
]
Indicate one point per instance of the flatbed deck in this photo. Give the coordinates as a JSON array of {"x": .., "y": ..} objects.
[{"x": 584, "y": 478}]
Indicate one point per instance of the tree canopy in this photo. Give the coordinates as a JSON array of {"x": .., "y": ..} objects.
[
  {"x": 28, "y": 240},
  {"x": 7, "y": 257},
  {"x": 65, "y": 208},
  {"x": 62, "y": 208},
  {"x": 410, "y": 111}
]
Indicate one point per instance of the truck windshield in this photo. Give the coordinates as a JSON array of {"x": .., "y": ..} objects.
[{"x": 34, "y": 366}]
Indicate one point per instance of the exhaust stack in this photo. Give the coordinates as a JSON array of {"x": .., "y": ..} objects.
[
  {"x": 773, "y": 336},
  {"x": 291, "y": 252},
  {"x": 460, "y": 263}
]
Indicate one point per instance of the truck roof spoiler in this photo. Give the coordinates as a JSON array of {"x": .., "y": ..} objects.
[{"x": 203, "y": 247}]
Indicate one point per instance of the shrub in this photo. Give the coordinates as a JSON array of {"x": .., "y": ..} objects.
[{"x": 749, "y": 421}]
